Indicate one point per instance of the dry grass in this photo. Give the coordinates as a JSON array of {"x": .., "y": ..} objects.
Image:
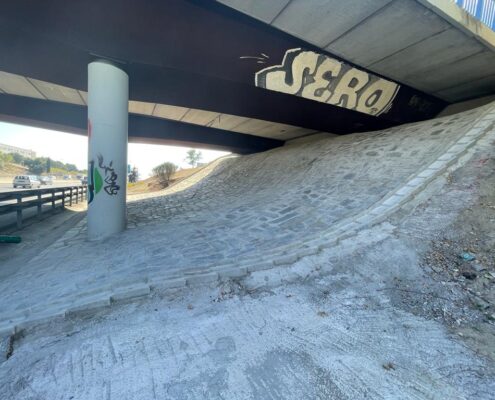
[
  {"x": 12, "y": 169},
  {"x": 152, "y": 185}
]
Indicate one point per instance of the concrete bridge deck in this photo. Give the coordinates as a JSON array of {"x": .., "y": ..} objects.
[{"x": 362, "y": 65}]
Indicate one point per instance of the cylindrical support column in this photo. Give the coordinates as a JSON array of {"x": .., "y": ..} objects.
[{"x": 108, "y": 95}]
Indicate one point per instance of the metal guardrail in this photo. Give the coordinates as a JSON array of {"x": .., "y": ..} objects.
[
  {"x": 17, "y": 201},
  {"x": 484, "y": 10}
]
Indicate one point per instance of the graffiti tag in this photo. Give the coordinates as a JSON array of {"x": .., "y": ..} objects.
[
  {"x": 110, "y": 177},
  {"x": 321, "y": 78}
]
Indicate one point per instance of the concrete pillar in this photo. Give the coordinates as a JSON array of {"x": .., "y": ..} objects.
[{"x": 108, "y": 94}]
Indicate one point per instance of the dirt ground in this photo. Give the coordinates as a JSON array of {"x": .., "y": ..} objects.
[
  {"x": 9, "y": 170},
  {"x": 460, "y": 255}
]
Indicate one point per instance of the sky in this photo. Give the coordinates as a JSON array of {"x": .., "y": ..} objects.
[{"x": 73, "y": 149}]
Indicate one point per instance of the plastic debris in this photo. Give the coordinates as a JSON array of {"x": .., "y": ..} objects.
[{"x": 467, "y": 256}]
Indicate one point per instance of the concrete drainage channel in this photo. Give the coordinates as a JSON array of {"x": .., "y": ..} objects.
[{"x": 105, "y": 297}]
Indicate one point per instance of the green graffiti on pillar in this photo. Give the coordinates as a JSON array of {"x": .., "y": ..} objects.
[{"x": 98, "y": 181}]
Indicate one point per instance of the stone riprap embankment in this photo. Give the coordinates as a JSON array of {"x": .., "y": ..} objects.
[{"x": 248, "y": 213}]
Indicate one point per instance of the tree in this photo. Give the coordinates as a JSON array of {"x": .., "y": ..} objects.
[
  {"x": 6, "y": 157},
  {"x": 57, "y": 164},
  {"x": 193, "y": 157},
  {"x": 70, "y": 167},
  {"x": 36, "y": 165},
  {"x": 18, "y": 158},
  {"x": 164, "y": 172},
  {"x": 134, "y": 175}
]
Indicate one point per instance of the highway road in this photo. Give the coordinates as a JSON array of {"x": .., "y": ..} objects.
[{"x": 7, "y": 187}]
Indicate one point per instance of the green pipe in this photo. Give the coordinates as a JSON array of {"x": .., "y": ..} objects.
[{"x": 10, "y": 239}]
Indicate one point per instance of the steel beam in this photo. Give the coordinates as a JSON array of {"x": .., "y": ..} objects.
[{"x": 72, "y": 118}]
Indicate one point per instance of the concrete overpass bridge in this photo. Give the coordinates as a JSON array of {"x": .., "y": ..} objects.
[{"x": 243, "y": 76}]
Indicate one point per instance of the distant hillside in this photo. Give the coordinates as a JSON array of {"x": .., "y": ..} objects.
[
  {"x": 151, "y": 184},
  {"x": 11, "y": 169},
  {"x": 12, "y": 164}
]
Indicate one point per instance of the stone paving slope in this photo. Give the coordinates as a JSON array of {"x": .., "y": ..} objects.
[{"x": 248, "y": 208}]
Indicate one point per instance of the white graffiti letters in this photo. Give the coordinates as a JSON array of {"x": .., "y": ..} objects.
[
  {"x": 318, "y": 77},
  {"x": 290, "y": 81},
  {"x": 318, "y": 89},
  {"x": 346, "y": 91}
]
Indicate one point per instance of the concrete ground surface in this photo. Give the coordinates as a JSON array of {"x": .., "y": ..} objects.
[
  {"x": 37, "y": 236},
  {"x": 378, "y": 315}
]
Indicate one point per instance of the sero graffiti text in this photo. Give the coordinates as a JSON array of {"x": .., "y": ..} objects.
[{"x": 318, "y": 77}]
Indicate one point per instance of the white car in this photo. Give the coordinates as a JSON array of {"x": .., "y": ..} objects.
[{"x": 26, "y": 181}]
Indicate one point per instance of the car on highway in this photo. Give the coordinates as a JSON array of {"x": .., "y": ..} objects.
[
  {"x": 46, "y": 180},
  {"x": 84, "y": 180},
  {"x": 26, "y": 181}
]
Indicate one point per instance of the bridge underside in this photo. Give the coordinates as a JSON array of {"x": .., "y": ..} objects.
[
  {"x": 72, "y": 118},
  {"x": 431, "y": 45},
  {"x": 202, "y": 73}
]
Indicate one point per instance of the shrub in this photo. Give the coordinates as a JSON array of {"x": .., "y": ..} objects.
[{"x": 164, "y": 172}]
